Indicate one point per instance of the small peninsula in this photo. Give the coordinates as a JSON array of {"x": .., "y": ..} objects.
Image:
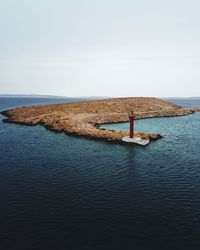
[{"x": 85, "y": 117}]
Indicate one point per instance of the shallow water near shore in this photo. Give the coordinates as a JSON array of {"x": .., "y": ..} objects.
[{"x": 63, "y": 192}]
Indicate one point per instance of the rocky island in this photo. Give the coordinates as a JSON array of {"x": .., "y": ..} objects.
[{"x": 85, "y": 117}]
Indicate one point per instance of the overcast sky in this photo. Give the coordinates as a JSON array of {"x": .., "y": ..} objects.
[{"x": 100, "y": 47}]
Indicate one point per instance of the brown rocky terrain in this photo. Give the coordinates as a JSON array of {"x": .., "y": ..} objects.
[{"x": 83, "y": 118}]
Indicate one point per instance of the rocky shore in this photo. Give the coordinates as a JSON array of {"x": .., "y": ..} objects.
[{"x": 84, "y": 118}]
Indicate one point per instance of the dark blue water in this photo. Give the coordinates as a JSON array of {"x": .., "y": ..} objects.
[{"x": 62, "y": 192}]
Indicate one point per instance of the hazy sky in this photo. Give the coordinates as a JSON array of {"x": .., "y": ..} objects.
[{"x": 100, "y": 47}]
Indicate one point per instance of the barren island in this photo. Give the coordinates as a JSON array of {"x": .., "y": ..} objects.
[{"x": 85, "y": 117}]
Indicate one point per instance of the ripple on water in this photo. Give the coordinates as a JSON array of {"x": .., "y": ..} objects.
[{"x": 60, "y": 192}]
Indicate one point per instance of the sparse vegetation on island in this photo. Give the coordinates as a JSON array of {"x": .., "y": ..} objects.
[{"x": 84, "y": 118}]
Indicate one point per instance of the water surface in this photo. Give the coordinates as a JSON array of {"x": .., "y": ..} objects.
[{"x": 63, "y": 192}]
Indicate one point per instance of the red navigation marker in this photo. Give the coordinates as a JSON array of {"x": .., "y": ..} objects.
[{"x": 132, "y": 118}]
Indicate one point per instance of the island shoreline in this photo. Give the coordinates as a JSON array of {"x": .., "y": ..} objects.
[{"x": 85, "y": 118}]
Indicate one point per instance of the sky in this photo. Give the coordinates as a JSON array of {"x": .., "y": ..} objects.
[{"x": 100, "y": 47}]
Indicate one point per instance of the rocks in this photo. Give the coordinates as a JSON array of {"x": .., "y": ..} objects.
[
  {"x": 84, "y": 118},
  {"x": 196, "y": 109}
]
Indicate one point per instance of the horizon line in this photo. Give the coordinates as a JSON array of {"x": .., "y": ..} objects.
[{"x": 91, "y": 96}]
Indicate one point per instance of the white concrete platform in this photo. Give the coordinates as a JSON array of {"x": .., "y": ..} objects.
[{"x": 135, "y": 140}]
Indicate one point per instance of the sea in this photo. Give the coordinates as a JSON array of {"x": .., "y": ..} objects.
[{"x": 69, "y": 193}]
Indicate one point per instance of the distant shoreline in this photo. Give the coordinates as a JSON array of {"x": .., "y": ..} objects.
[
  {"x": 90, "y": 97},
  {"x": 51, "y": 96}
]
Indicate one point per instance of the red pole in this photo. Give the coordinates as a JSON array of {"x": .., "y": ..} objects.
[{"x": 132, "y": 117}]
